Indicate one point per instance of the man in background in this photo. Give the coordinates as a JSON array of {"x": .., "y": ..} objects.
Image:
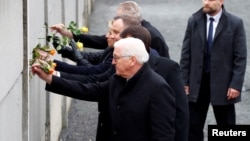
[{"x": 213, "y": 64}]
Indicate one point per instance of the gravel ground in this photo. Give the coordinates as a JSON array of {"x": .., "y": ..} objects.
[{"x": 170, "y": 17}]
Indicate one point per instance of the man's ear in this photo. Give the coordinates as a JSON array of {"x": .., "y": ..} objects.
[{"x": 133, "y": 61}]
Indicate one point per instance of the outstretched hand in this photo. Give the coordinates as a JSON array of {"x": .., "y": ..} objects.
[
  {"x": 60, "y": 28},
  {"x": 57, "y": 27},
  {"x": 36, "y": 69}
]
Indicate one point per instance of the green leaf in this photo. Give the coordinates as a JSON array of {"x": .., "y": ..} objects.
[
  {"x": 38, "y": 45},
  {"x": 77, "y": 32},
  {"x": 64, "y": 41},
  {"x": 59, "y": 47},
  {"x": 46, "y": 48}
]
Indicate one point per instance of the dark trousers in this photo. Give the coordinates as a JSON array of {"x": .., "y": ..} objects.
[{"x": 224, "y": 114}]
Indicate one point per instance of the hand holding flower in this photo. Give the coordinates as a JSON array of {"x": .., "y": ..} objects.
[
  {"x": 41, "y": 55},
  {"x": 60, "y": 28},
  {"x": 36, "y": 69}
]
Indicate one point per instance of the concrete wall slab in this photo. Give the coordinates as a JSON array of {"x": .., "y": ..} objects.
[
  {"x": 11, "y": 41},
  {"x": 11, "y": 114}
]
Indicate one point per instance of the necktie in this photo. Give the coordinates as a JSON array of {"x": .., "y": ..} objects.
[
  {"x": 210, "y": 35},
  {"x": 209, "y": 43}
]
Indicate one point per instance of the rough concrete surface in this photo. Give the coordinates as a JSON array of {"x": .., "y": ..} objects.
[{"x": 170, "y": 17}]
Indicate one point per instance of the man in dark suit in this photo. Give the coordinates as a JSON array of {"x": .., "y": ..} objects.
[
  {"x": 128, "y": 8},
  {"x": 213, "y": 64},
  {"x": 165, "y": 67},
  {"x": 140, "y": 104},
  {"x": 100, "y": 61},
  {"x": 132, "y": 9}
]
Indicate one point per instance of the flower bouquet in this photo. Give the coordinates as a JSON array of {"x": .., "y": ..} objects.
[
  {"x": 41, "y": 55},
  {"x": 60, "y": 42}
]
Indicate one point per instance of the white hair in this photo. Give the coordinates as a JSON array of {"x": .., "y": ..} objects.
[{"x": 133, "y": 47}]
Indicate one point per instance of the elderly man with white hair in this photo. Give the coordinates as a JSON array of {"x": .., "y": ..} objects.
[{"x": 140, "y": 105}]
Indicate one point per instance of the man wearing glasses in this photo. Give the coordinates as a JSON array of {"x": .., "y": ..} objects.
[{"x": 136, "y": 98}]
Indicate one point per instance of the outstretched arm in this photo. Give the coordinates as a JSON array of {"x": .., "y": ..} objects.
[
  {"x": 71, "y": 88},
  {"x": 89, "y": 78}
]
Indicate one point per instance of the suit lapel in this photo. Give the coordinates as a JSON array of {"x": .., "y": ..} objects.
[
  {"x": 220, "y": 26},
  {"x": 201, "y": 25}
]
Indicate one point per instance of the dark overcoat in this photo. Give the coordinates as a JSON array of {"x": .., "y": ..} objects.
[
  {"x": 140, "y": 109},
  {"x": 100, "y": 62},
  {"x": 170, "y": 71},
  {"x": 227, "y": 60},
  {"x": 99, "y": 42},
  {"x": 166, "y": 68}
]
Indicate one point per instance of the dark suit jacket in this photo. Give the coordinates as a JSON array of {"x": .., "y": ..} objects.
[
  {"x": 170, "y": 71},
  {"x": 101, "y": 61},
  {"x": 228, "y": 56},
  {"x": 92, "y": 41},
  {"x": 99, "y": 42},
  {"x": 97, "y": 77},
  {"x": 157, "y": 40},
  {"x": 140, "y": 109}
]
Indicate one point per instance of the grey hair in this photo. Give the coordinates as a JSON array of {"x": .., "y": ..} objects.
[
  {"x": 127, "y": 21},
  {"x": 133, "y": 47},
  {"x": 131, "y": 9}
]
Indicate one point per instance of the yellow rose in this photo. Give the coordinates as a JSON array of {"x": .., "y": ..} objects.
[
  {"x": 84, "y": 29},
  {"x": 79, "y": 45}
]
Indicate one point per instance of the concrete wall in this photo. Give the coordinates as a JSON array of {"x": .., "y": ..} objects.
[
  {"x": 27, "y": 111},
  {"x": 11, "y": 62}
]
